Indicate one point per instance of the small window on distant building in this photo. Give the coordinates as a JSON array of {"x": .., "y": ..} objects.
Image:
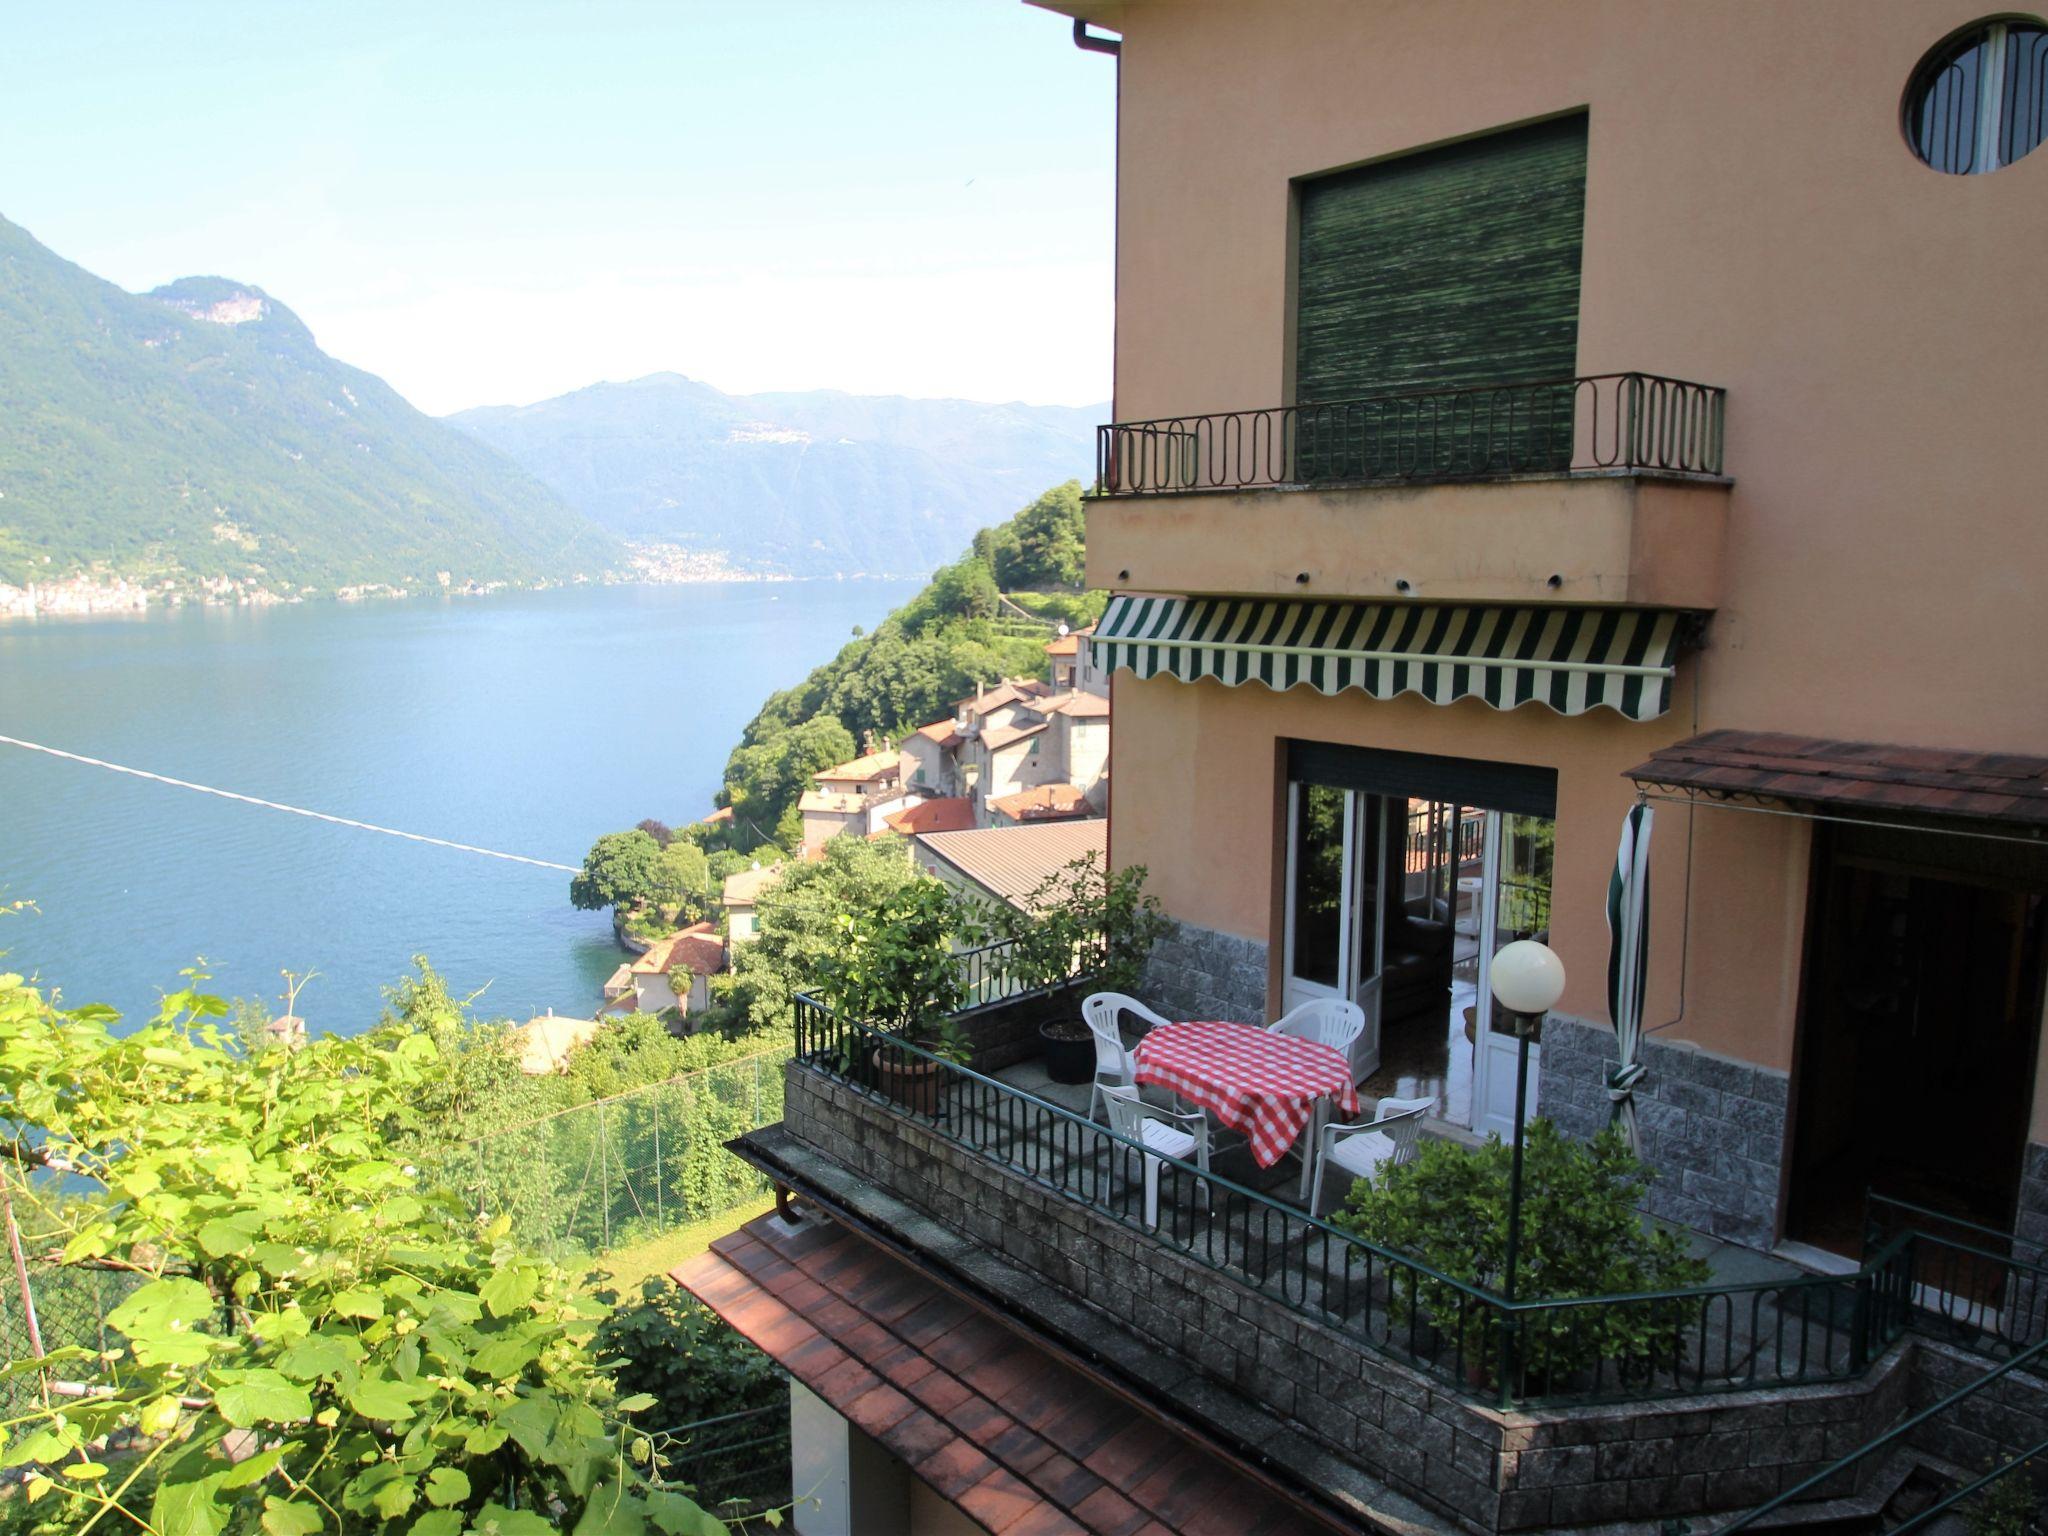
[{"x": 1980, "y": 100}]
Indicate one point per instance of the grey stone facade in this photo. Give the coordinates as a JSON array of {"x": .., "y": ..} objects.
[
  {"x": 1486, "y": 1470},
  {"x": 1713, "y": 1127},
  {"x": 2032, "y": 1223},
  {"x": 1198, "y": 973}
]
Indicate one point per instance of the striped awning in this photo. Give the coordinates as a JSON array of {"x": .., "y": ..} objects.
[{"x": 1572, "y": 659}]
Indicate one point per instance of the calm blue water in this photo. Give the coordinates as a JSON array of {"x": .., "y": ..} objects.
[{"x": 524, "y": 722}]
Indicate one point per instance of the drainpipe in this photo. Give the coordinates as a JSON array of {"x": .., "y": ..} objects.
[{"x": 1089, "y": 43}]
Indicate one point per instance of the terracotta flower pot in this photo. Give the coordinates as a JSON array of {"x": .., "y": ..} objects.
[{"x": 914, "y": 1084}]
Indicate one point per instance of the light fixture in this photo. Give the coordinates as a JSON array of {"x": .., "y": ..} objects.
[
  {"x": 1527, "y": 980},
  {"x": 1527, "y": 977}
]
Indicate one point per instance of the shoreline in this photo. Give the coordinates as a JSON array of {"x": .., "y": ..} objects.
[{"x": 116, "y": 598}]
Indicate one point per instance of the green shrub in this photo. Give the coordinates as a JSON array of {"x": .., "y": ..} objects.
[
  {"x": 1582, "y": 1235},
  {"x": 690, "y": 1361}
]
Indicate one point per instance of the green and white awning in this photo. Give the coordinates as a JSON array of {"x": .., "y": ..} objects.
[{"x": 1572, "y": 659}]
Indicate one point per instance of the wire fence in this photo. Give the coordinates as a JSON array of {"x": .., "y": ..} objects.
[
  {"x": 733, "y": 1465},
  {"x": 71, "y": 1306},
  {"x": 615, "y": 1171}
]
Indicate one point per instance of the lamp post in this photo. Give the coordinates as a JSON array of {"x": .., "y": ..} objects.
[{"x": 1528, "y": 979}]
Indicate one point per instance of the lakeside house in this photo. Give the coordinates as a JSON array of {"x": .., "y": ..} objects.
[
  {"x": 740, "y": 897},
  {"x": 1431, "y": 571},
  {"x": 545, "y": 1041},
  {"x": 1071, "y": 656},
  {"x": 851, "y": 797},
  {"x": 696, "y": 949}
]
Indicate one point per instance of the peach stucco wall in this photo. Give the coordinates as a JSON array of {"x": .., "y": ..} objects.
[
  {"x": 1207, "y": 755},
  {"x": 1753, "y": 220}
]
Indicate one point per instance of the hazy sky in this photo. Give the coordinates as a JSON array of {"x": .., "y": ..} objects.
[{"x": 503, "y": 201}]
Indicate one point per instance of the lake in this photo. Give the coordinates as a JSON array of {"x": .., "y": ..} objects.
[{"x": 524, "y": 722}]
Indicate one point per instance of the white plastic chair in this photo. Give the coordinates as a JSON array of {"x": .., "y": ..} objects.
[
  {"x": 1385, "y": 1141},
  {"x": 1113, "y": 1063},
  {"x": 1331, "y": 1020},
  {"x": 1165, "y": 1132}
]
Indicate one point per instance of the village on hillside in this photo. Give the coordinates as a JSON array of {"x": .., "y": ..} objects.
[{"x": 994, "y": 800}]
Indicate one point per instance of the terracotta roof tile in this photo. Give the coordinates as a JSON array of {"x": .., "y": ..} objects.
[
  {"x": 1045, "y": 802},
  {"x": 1000, "y": 1500},
  {"x": 1030, "y": 1448},
  {"x": 943, "y": 813},
  {"x": 954, "y": 1468}
]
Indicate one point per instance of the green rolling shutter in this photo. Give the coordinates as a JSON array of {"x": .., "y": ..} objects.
[{"x": 1454, "y": 267}]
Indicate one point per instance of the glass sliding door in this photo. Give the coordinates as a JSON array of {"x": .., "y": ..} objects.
[{"x": 1335, "y": 870}]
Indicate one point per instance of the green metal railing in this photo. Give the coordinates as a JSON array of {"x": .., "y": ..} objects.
[{"x": 1561, "y": 1350}]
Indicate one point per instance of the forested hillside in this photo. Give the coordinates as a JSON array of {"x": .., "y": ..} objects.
[
  {"x": 985, "y": 616},
  {"x": 198, "y": 432},
  {"x": 963, "y": 630},
  {"x": 815, "y": 483}
]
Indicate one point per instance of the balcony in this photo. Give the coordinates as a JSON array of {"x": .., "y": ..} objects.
[
  {"x": 1606, "y": 489},
  {"x": 1328, "y": 1357}
]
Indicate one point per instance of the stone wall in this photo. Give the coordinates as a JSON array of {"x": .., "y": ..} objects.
[
  {"x": 1713, "y": 1126},
  {"x": 1489, "y": 1471},
  {"x": 1001, "y": 1034},
  {"x": 1198, "y": 973},
  {"x": 2001, "y": 1421},
  {"x": 2032, "y": 1225}
]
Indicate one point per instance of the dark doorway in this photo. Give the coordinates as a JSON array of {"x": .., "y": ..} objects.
[{"x": 1920, "y": 1024}]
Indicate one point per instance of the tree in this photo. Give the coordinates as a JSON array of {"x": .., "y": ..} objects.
[
  {"x": 765, "y": 778},
  {"x": 1044, "y": 545},
  {"x": 683, "y": 881},
  {"x": 965, "y": 589},
  {"x": 797, "y": 924},
  {"x": 622, "y": 869},
  {"x": 320, "y": 1340}
]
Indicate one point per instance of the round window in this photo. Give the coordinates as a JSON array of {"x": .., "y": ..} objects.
[{"x": 1980, "y": 100}]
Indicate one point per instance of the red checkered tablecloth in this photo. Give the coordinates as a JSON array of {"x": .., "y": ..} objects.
[{"x": 1263, "y": 1085}]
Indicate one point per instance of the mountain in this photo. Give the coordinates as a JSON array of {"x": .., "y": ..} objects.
[
  {"x": 814, "y": 483},
  {"x": 197, "y": 434}
]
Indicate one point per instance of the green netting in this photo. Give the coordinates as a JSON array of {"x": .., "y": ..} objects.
[{"x": 618, "y": 1170}]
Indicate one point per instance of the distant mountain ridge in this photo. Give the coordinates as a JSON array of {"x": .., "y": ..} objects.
[
  {"x": 812, "y": 483},
  {"x": 196, "y": 436}
]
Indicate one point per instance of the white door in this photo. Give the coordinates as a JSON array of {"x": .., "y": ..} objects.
[
  {"x": 1514, "y": 903},
  {"x": 1335, "y": 843},
  {"x": 1366, "y": 856}
]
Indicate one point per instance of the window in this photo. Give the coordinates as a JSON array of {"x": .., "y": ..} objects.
[{"x": 1976, "y": 102}]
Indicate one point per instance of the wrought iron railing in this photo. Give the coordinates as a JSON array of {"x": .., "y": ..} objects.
[
  {"x": 1794, "y": 1331},
  {"x": 1613, "y": 421},
  {"x": 1973, "y": 1284}
]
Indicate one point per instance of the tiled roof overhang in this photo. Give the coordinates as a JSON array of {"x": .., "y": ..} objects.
[
  {"x": 1857, "y": 777},
  {"x": 1021, "y": 1441}
]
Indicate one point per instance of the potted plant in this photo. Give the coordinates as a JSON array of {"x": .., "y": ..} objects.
[
  {"x": 1083, "y": 925},
  {"x": 895, "y": 972}
]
